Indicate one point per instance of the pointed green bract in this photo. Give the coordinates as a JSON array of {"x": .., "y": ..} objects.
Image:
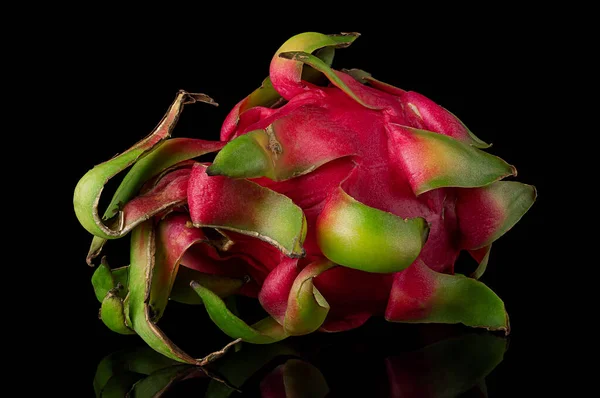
[
  {"x": 286, "y": 75},
  {"x": 421, "y": 295},
  {"x": 248, "y": 208},
  {"x": 161, "y": 195},
  {"x": 89, "y": 188},
  {"x": 311, "y": 41},
  {"x": 105, "y": 279},
  {"x": 112, "y": 313},
  {"x": 322, "y": 67},
  {"x": 265, "y": 331},
  {"x": 140, "y": 286},
  {"x": 222, "y": 286},
  {"x": 307, "y": 308},
  {"x": 95, "y": 249},
  {"x": 173, "y": 239},
  {"x": 165, "y": 155},
  {"x": 424, "y": 113},
  {"x": 309, "y": 74},
  {"x": 291, "y": 146},
  {"x": 432, "y": 160},
  {"x": 366, "y": 78},
  {"x": 487, "y": 213},
  {"x": 246, "y": 156},
  {"x": 359, "y": 75},
  {"x": 357, "y": 236},
  {"x": 460, "y": 299},
  {"x": 265, "y": 95}
]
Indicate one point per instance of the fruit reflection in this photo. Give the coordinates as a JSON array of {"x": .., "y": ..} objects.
[{"x": 433, "y": 361}]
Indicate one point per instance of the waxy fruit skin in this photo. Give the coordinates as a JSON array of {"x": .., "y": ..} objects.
[{"x": 332, "y": 197}]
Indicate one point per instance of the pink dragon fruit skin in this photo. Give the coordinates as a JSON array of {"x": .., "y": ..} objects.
[
  {"x": 374, "y": 155},
  {"x": 333, "y": 203}
]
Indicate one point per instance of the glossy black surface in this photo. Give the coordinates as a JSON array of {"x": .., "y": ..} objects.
[{"x": 377, "y": 361}]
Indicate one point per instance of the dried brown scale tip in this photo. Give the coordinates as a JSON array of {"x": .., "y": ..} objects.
[{"x": 197, "y": 97}]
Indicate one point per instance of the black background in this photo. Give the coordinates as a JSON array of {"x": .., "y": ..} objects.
[{"x": 115, "y": 82}]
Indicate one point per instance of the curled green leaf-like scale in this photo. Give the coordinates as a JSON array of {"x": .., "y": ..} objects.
[
  {"x": 307, "y": 308},
  {"x": 357, "y": 236},
  {"x": 367, "y": 78},
  {"x": 140, "y": 285},
  {"x": 222, "y": 286},
  {"x": 105, "y": 279},
  {"x": 112, "y": 313},
  {"x": 291, "y": 146},
  {"x": 141, "y": 288},
  {"x": 487, "y": 213},
  {"x": 322, "y": 67},
  {"x": 245, "y": 207},
  {"x": 432, "y": 160},
  {"x": 167, "y": 155},
  {"x": 421, "y": 295},
  {"x": 265, "y": 331},
  {"x": 89, "y": 188},
  {"x": 286, "y": 75}
]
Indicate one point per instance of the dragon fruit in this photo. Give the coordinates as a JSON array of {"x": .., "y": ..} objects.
[{"x": 333, "y": 197}]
